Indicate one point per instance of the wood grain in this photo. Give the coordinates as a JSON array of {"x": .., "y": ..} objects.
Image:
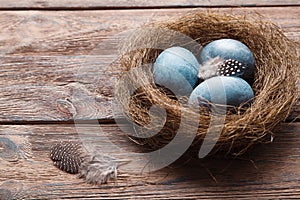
[
  {"x": 96, "y": 4},
  {"x": 55, "y": 66},
  {"x": 267, "y": 171}
]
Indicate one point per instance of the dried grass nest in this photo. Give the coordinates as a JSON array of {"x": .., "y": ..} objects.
[{"x": 275, "y": 86}]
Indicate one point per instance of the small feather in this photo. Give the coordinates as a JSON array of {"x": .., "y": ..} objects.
[
  {"x": 98, "y": 169},
  {"x": 67, "y": 156},
  {"x": 230, "y": 67},
  {"x": 94, "y": 168},
  {"x": 209, "y": 68}
]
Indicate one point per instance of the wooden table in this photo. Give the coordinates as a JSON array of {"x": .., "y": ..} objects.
[{"x": 56, "y": 52}]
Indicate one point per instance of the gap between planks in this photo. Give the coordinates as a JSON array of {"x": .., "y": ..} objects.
[
  {"x": 141, "y": 4},
  {"x": 116, "y": 8}
]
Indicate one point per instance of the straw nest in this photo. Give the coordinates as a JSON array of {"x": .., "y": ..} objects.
[{"x": 275, "y": 85}]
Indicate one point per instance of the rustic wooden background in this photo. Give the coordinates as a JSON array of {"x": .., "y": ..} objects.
[{"x": 55, "y": 57}]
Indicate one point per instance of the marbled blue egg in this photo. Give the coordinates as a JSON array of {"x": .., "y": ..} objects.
[
  {"x": 222, "y": 90},
  {"x": 230, "y": 49},
  {"x": 176, "y": 68}
]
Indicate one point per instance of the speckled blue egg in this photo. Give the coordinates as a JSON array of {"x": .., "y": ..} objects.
[
  {"x": 223, "y": 90},
  {"x": 230, "y": 49},
  {"x": 176, "y": 68}
]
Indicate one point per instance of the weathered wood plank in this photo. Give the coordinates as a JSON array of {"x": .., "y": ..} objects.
[
  {"x": 57, "y": 89},
  {"x": 55, "y": 65},
  {"x": 13, "y": 4},
  {"x": 60, "y": 33},
  {"x": 267, "y": 171}
]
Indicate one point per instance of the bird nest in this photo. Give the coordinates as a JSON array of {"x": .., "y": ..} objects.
[{"x": 275, "y": 83}]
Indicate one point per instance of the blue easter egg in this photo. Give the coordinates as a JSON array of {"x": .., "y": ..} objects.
[
  {"x": 176, "y": 68},
  {"x": 231, "y": 49},
  {"x": 222, "y": 90}
]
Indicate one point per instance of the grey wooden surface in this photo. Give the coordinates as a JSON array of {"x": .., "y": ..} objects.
[{"x": 49, "y": 57}]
